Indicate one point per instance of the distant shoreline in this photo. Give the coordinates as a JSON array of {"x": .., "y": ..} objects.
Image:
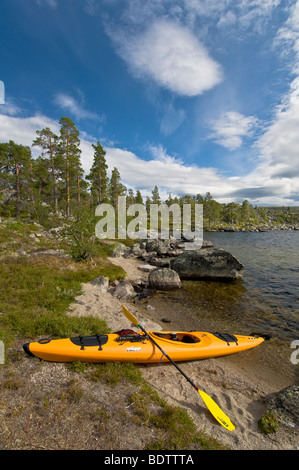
[{"x": 252, "y": 229}]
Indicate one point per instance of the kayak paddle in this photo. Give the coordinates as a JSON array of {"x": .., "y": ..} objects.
[{"x": 218, "y": 414}]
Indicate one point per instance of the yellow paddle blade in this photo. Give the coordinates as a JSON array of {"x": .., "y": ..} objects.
[
  {"x": 218, "y": 414},
  {"x": 130, "y": 316}
]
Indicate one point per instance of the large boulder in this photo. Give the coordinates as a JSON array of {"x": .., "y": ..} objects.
[
  {"x": 164, "y": 279},
  {"x": 208, "y": 263}
]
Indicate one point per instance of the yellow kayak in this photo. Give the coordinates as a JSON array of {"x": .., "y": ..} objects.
[{"x": 130, "y": 346}]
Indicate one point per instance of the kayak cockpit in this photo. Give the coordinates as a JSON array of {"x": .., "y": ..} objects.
[{"x": 177, "y": 336}]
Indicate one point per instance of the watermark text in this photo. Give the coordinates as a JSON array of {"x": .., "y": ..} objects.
[
  {"x": 295, "y": 354},
  {"x": 161, "y": 221},
  {"x": 2, "y": 93},
  {"x": 2, "y": 353}
]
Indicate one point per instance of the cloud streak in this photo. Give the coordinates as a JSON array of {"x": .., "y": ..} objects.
[
  {"x": 71, "y": 105},
  {"x": 51, "y": 3}
]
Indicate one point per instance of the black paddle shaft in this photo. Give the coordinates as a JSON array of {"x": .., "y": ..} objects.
[{"x": 170, "y": 360}]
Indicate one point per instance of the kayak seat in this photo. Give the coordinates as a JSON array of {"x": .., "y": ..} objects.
[
  {"x": 174, "y": 337},
  {"x": 188, "y": 339}
]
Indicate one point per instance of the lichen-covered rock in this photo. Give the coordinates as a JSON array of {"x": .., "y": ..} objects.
[
  {"x": 285, "y": 405},
  {"x": 207, "y": 263}
]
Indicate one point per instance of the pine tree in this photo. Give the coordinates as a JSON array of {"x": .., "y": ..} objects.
[
  {"x": 232, "y": 212},
  {"x": 70, "y": 152},
  {"x": 247, "y": 212},
  {"x": 156, "y": 196},
  {"x": 41, "y": 179},
  {"x": 169, "y": 200},
  {"x": 116, "y": 187},
  {"x": 130, "y": 197},
  {"x": 138, "y": 198},
  {"x": 15, "y": 171},
  {"x": 98, "y": 175},
  {"x": 48, "y": 141},
  {"x": 148, "y": 205}
]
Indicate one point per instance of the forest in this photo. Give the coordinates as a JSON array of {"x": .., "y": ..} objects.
[{"x": 54, "y": 186}]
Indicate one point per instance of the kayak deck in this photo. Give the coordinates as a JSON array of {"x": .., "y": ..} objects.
[{"x": 138, "y": 348}]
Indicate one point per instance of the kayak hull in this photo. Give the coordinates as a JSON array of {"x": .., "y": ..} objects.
[{"x": 180, "y": 346}]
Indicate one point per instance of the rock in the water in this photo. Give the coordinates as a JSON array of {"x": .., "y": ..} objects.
[
  {"x": 207, "y": 263},
  {"x": 164, "y": 279}
]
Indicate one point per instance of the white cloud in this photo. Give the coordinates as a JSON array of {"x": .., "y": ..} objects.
[
  {"x": 23, "y": 130},
  {"x": 242, "y": 14},
  {"x": 70, "y": 104},
  {"x": 10, "y": 108},
  {"x": 167, "y": 173},
  {"x": 280, "y": 143},
  {"x": 228, "y": 19},
  {"x": 287, "y": 38},
  {"x": 192, "y": 13},
  {"x": 160, "y": 153},
  {"x": 254, "y": 13},
  {"x": 231, "y": 128},
  {"x": 173, "y": 176},
  {"x": 171, "y": 56}
]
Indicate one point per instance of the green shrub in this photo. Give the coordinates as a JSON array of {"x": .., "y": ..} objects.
[{"x": 268, "y": 423}]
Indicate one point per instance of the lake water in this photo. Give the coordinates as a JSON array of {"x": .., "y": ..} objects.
[
  {"x": 266, "y": 299},
  {"x": 270, "y": 287}
]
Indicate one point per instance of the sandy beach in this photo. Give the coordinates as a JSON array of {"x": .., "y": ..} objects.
[{"x": 240, "y": 385}]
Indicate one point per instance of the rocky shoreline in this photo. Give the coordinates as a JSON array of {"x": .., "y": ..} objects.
[{"x": 169, "y": 261}]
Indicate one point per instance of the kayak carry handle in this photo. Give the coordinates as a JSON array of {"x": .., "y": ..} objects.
[{"x": 266, "y": 336}]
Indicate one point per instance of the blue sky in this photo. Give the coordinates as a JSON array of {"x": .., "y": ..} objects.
[{"x": 189, "y": 95}]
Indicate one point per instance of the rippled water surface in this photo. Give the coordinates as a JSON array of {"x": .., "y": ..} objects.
[{"x": 269, "y": 293}]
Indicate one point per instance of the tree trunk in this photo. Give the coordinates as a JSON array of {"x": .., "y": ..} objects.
[
  {"x": 18, "y": 204},
  {"x": 55, "y": 194},
  {"x": 67, "y": 178}
]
